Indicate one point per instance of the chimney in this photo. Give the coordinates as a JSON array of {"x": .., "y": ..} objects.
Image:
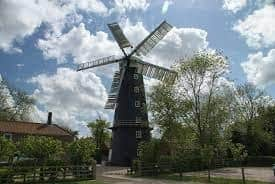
[{"x": 49, "y": 122}]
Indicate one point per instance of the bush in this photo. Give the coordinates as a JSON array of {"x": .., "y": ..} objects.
[
  {"x": 81, "y": 151},
  {"x": 7, "y": 148},
  {"x": 41, "y": 148}
]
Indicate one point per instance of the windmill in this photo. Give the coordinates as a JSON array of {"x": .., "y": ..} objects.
[{"x": 127, "y": 94}]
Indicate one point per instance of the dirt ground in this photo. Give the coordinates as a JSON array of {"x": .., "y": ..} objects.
[{"x": 116, "y": 175}]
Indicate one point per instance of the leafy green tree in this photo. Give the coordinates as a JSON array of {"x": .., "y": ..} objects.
[
  {"x": 41, "y": 148},
  {"x": 239, "y": 154},
  {"x": 249, "y": 128},
  {"x": 201, "y": 102},
  {"x": 101, "y": 135},
  {"x": 197, "y": 100},
  {"x": 81, "y": 151},
  {"x": 7, "y": 148},
  {"x": 149, "y": 152},
  {"x": 266, "y": 120},
  {"x": 166, "y": 113},
  {"x": 15, "y": 104}
]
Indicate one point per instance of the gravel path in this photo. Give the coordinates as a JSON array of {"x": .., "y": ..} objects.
[
  {"x": 117, "y": 175},
  {"x": 251, "y": 173}
]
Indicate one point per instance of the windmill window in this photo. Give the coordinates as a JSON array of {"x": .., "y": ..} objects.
[
  {"x": 137, "y": 103},
  {"x": 138, "y": 152},
  {"x": 138, "y": 119},
  {"x": 136, "y": 89},
  {"x": 138, "y": 134},
  {"x": 135, "y": 76}
]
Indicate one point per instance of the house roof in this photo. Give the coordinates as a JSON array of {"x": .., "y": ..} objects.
[{"x": 31, "y": 128}]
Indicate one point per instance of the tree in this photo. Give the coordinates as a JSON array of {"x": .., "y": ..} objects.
[
  {"x": 166, "y": 113},
  {"x": 41, "y": 148},
  {"x": 7, "y": 149},
  {"x": 149, "y": 152},
  {"x": 239, "y": 154},
  {"x": 248, "y": 128},
  {"x": 81, "y": 151},
  {"x": 198, "y": 101},
  {"x": 15, "y": 104},
  {"x": 101, "y": 135}
]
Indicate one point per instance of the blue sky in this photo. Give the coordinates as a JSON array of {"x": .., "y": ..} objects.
[{"x": 41, "y": 42}]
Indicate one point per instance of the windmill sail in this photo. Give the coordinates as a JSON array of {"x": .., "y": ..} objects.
[
  {"x": 99, "y": 62},
  {"x": 156, "y": 72},
  {"x": 152, "y": 39},
  {"x": 112, "y": 98},
  {"x": 119, "y": 35}
]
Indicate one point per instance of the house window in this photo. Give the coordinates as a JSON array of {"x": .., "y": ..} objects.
[
  {"x": 136, "y": 76},
  {"x": 136, "y": 89},
  {"x": 138, "y": 134},
  {"x": 137, "y": 103},
  {"x": 8, "y": 136}
]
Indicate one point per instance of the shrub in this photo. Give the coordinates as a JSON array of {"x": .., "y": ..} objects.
[
  {"x": 7, "y": 148},
  {"x": 41, "y": 148},
  {"x": 81, "y": 151}
]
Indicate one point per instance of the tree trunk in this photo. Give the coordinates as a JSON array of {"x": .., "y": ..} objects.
[
  {"x": 209, "y": 163},
  {"x": 243, "y": 176},
  {"x": 209, "y": 179}
]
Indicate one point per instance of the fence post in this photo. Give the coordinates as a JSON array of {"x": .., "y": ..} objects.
[
  {"x": 94, "y": 169},
  {"x": 64, "y": 172},
  {"x": 34, "y": 174},
  {"x": 138, "y": 167}
]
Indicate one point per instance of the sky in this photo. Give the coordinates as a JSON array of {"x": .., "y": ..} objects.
[{"x": 41, "y": 43}]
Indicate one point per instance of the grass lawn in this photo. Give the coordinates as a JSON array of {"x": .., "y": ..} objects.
[{"x": 205, "y": 179}]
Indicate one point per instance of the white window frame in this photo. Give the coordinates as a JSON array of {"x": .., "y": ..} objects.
[
  {"x": 135, "y": 76},
  {"x": 136, "y": 89},
  {"x": 138, "y": 134},
  {"x": 137, "y": 103}
]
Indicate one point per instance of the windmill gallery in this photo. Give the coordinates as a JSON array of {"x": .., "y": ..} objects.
[{"x": 127, "y": 94}]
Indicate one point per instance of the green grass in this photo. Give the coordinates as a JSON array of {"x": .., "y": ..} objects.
[{"x": 214, "y": 180}]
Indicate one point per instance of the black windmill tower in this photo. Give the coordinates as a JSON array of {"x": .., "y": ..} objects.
[{"x": 127, "y": 95}]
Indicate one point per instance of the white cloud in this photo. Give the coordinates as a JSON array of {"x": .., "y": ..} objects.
[
  {"x": 178, "y": 43},
  {"x": 122, "y": 6},
  {"x": 78, "y": 43},
  {"x": 234, "y": 5},
  {"x": 75, "y": 98},
  {"x": 259, "y": 69},
  {"x": 165, "y": 6},
  {"x": 95, "y": 6},
  {"x": 20, "y": 19},
  {"x": 258, "y": 28}
]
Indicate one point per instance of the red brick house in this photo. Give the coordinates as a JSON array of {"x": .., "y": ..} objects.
[{"x": 16, "y": 130}]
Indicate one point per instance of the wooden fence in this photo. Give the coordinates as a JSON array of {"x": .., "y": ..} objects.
[
  {"x": 153, "y": 169},
  {"x": 48, "y": 174}
]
